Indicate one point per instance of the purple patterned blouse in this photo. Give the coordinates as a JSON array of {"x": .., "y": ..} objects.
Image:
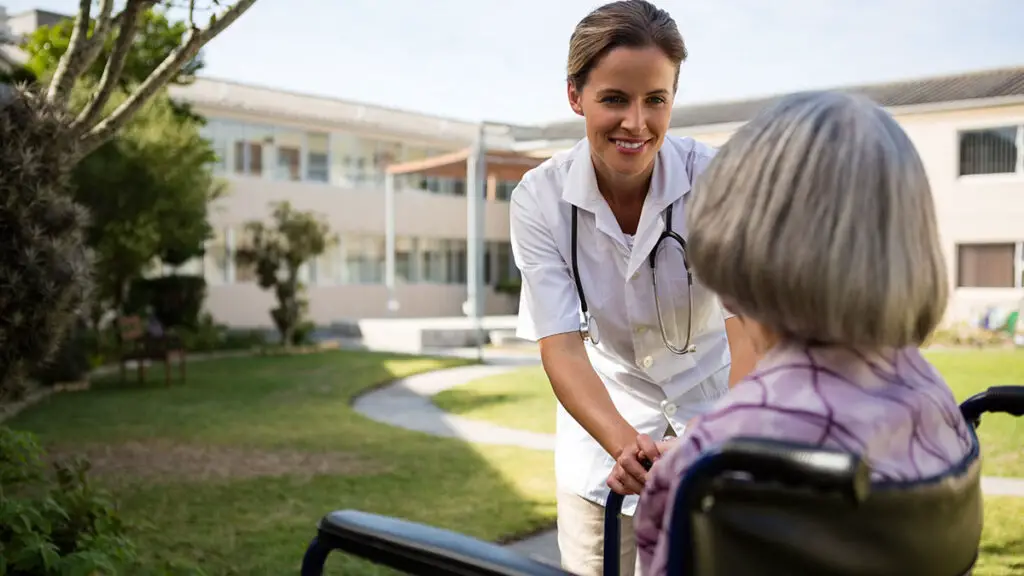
[{"x": 894, "y": 408}]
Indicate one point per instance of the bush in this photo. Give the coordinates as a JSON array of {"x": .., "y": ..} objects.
[
  {"x": 208, "y": 336},
  {"x": 55, "y": 523},
  {"x": 177, "y": 301},
  {"x": 965, "y": 335},
  {"x": 303, "y": 334},
  {"x": 71, "y": 361}
]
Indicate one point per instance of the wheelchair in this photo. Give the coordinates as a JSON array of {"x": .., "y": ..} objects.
[{"x": 751, "y": 506}]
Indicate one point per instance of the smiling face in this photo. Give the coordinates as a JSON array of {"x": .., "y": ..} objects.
[{"x": 627, "y": 104}]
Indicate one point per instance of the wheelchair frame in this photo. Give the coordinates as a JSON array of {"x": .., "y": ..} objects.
[{"x": 426, "y": 550}]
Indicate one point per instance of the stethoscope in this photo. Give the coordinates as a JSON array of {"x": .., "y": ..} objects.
[{"x": 588, "y": 328}]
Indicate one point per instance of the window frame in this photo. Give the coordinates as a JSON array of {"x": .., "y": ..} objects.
[
  {"x": 1017, "y": 262},
  {"x": 1011, "y": 121}
]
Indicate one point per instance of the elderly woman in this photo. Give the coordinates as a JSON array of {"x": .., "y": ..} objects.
[{"x": 815, "y": 225}]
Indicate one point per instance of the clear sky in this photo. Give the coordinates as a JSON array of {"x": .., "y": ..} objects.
[{"x": 504, "y": 60}]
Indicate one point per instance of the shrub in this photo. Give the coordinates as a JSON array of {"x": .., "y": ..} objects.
[
  {"x": 45, "y": 267},
  {"x": 55, "y": 522},
  {"x": 71, "y": 361},
  {"x": 177, "y": 301}
]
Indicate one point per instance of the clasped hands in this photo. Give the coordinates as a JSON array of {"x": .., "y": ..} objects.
[{"x": 632, "y": 463}]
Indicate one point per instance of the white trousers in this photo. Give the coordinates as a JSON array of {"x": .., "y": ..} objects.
[{"x": 581, "y": 537}]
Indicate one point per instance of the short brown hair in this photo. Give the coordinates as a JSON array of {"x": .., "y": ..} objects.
[
  {"x": 816, "y": 220},
  {"x": 626, "y": 23}
]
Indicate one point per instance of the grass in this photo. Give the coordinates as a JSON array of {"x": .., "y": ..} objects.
[
  {"x": 523, "y": 399},
  {"x": 1001, "y": 435},
  {"x": 251, "y": 452}
]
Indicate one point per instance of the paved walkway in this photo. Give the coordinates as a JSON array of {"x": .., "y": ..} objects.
[{"x": 406, "y": 404}]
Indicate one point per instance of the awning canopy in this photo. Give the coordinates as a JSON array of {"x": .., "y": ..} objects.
[{"x": 500, "y": 165}]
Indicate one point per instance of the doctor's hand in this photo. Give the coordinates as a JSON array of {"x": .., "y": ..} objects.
[{"x": 630, "y": 471}]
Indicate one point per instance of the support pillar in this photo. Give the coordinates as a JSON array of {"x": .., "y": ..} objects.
[
  {"x": 389, "y": 241},
  {"x": 476, "y": 168}
]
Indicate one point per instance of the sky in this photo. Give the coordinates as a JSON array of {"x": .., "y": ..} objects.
[{"x": 504, "y": 60}]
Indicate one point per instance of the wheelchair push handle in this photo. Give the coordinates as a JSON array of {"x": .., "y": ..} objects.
[
  {"x": 1004, "y": 399},
  {"x": 613, "y": 527}
]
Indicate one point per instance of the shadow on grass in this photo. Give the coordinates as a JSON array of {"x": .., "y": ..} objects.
[
  {"x": 460, "y": 401},
  {"x": 251, "y": 452}
]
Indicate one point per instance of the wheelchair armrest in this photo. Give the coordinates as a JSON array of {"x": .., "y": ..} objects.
[
  {"x": 1006, "y": 399},
  {"x": 415, "y": 548}
]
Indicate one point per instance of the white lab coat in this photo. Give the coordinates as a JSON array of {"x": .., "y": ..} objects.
[{"x": 651, "y": 387}]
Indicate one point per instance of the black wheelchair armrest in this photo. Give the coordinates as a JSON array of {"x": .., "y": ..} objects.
[
  {"x": 415, "y": 548},
  {"x": 1006, "y": 399}
]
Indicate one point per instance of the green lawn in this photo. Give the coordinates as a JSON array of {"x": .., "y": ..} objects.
[{"x": 231, "y": 470}]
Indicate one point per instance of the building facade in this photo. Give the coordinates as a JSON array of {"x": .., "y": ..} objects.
[{"x": 329, "y": 156}]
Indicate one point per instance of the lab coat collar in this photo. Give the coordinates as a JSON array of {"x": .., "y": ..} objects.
[{"x": 670, "y": 182}]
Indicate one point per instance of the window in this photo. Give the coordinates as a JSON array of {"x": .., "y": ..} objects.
[
  {"x": 456, "y": 262},
  {"x": 364, "y": 259},
  {"x": 215, "y": 260},
  {"x": 432, "y": 261},
  {"x": 405, "y": 253},
  {"x": 317, "y": 152},
  {"x": 289, "y": 155},
  {"x": 990, "y": 265},
  {"x": 329, "y": 266},
  {"x": 504, "y": 189},
  {"x": 243, "y": 274},
  {"x": 251, "y": 143},
  {"x": 991, "y": 150},
  {"x": 219, "y": 134}
]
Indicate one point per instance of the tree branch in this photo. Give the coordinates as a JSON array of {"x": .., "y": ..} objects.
[
  {"x": 129, "y": 21},
  {"x": 64, "y": 77},
  {"x": 194, "y": 41},
  {"x": 96, "y": 41}
]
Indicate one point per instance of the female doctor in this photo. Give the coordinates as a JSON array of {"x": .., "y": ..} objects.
[{"x": 632, "y": 349}]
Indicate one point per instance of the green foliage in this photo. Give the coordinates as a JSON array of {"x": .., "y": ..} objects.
[
  {"x": 155, "y": 38},
  {"x": 277, "y": 252},
  {"x": 208, "y": 336},
  {"x": 176, "y": 300},
  {"x": 44, "y": 263},
  {"x": 148, "y": 190},
  {"x": 71, "y": 361},
  {"x": 55, "y": 523}
]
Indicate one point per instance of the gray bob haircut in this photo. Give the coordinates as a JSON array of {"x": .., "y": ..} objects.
[{"x": 816, "y": 220}]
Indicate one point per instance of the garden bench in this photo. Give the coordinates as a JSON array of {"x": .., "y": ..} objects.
[{"x": 140, "y": 345}]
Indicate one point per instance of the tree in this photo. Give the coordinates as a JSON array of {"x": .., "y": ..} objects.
[
  {"x": 148, "y": 191},
  {"x": 277, "y": 253},
  {"x": 155, "y": 39},
  {"x": 43, "y": 259}
]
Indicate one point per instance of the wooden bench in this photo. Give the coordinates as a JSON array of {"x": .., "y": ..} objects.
[{"x": 139, "y": 345}]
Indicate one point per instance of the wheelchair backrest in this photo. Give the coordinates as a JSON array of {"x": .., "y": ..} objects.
[{"x": 931, "y": 527}]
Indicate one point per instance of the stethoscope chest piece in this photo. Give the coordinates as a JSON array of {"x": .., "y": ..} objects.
[{"x": 588, "y": 329}]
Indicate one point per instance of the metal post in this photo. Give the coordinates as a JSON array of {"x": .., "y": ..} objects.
[
  {"x": 476, "y": 170},
  {"x": 389, "y": 241}
]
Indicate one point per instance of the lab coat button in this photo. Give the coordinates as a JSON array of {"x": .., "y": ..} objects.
[
  {"x": 668, "y": 408},
  {"x": 647, "y": 362}
]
